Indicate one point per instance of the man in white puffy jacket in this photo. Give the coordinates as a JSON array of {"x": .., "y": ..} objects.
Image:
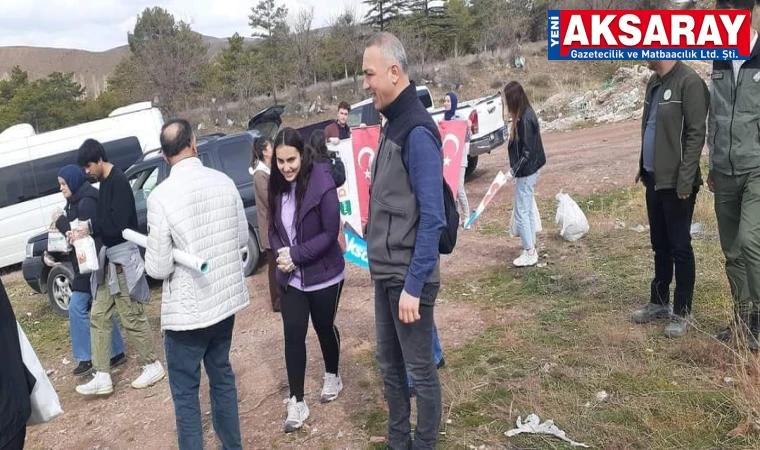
[{"x": 198, "y": 210}]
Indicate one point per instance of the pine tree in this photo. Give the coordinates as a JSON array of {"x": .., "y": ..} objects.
[{"x": 382, "y": 13}]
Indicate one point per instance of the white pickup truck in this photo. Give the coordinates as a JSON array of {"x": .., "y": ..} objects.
[{"x": 486, "y": 115}]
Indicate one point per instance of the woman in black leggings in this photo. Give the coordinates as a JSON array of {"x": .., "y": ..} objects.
[{"x": 303, "y": 205}]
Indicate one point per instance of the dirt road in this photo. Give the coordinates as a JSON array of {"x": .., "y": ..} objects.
[{"x": 579, "y": 162}]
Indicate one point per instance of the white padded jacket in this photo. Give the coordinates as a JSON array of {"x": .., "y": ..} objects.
[{"x": 197, "y": 210}]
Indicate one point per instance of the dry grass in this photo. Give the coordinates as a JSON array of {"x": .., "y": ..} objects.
[{"x": 561, "y": 334}]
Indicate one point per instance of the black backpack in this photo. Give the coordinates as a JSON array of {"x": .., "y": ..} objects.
[{"x": 449, "y": 233}]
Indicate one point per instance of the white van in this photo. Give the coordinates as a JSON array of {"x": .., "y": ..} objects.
[{"x": 29, "y": 165}]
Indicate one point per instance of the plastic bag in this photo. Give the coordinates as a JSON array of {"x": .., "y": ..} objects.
[
  {"x": 570, "y": 218},
  {"x": 514, "y": 232},
  {"x": 87, "y": 255},
  {"x": 57, "y": 242},
  {"x": 45, "y": 403}
]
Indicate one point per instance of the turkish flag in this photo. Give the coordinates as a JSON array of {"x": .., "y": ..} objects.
[
  {"x": 365, "y": 142},
  {"x": 500, "y": 180},
  {"x": 453, "y": 134}
]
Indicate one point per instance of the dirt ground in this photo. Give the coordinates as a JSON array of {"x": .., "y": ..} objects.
[{"x": 579, "y": 162}]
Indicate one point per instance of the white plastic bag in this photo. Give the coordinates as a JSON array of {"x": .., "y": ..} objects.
[
  {"x": 57, "y": 242},
  {"x": 514, "y": 232},
  {"x": 573, "y": 224},
  {"x": 87, "y": 255},
  {"x": 45, "y": 403}
]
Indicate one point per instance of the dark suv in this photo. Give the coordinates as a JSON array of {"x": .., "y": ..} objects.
[{"x": 230, "y": 154}]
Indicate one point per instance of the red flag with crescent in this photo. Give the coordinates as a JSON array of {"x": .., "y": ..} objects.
[
  {"x": 453, "y": 134},
  {"x": 365, "y": 142}
]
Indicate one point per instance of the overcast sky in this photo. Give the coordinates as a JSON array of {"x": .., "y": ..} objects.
[{"x": 103, "y": 24}]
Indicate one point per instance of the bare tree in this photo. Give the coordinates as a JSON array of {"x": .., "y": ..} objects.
[
  {"x": 303, "y": 46},
  {"x": 347, "y": 30}
]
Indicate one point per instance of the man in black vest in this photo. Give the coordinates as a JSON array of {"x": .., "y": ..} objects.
[{"x": 406, "y": 217}]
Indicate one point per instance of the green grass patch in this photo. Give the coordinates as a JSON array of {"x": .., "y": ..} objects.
[{"x": 576, "y": 341}]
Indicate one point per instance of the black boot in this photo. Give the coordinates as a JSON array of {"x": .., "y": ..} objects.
[
  {"x": 82, "y": 369},
  {"x": 118, "y": 360},
  {"x": 754, "y": 328}
]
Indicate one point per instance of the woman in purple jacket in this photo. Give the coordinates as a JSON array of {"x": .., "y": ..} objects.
[{"x": 303, "y": 205}]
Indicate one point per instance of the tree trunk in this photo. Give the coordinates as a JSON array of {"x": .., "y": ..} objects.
[
  {"x": 345, "y": 69},
  {"x": 456, "y": 46}
]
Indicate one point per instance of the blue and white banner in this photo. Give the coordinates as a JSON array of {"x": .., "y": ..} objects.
[{"x": 356, "y": 249}]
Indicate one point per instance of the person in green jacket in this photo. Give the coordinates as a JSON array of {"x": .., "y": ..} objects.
[
  {"x": 734, "y": 142},
  {"x": 672, "y": 138}
]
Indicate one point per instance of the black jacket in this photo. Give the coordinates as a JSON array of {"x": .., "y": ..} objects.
[
  {"x": 526, "y": 154},
  {"x": 337, "y": 169},
  {"x": 83, "y": 205},
  {"x": 16, "y": 382}
]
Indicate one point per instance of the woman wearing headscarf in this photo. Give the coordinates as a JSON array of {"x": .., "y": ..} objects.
[
  {"x": 450, "y": 103},
  {"x": 81, "y": 203}
]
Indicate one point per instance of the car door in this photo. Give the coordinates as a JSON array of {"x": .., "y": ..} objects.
[
  {"x": 143, "y": 182},
  {"x": 233, "y": 157}
]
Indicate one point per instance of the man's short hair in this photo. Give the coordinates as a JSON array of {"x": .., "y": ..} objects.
[
  {"x": 91, "y": 151},
  {"x": 391, "y": 48},
  {"x": 344, "y": 105},
  {"x": 176, "y": 135},
  {"x": 735, "y": 4}
]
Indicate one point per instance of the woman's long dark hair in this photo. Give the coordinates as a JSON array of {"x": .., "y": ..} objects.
[
  {"x": 278, "y": 185},
  {"x": 318, "y": 144},
  {"x": 517, "y": 103},
  {"x": 259, "y": 145}
]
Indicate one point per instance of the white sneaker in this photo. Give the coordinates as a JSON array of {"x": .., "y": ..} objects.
[
  {"x": 526, "y": 259},
  {"x": 99, "y": 385},
  {"x": 298, "y": 412},
  {"x": 151, "y": 374},
  {"x": 331, "y": 388}
]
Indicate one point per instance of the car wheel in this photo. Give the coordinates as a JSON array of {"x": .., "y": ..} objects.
[
  {"x": 251, "y": 260},
  {"x": 59, "y": 283},
  {"x": 472, "y": 164}
]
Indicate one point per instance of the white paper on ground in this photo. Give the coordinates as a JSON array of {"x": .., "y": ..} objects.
[
  {"x": 533, "y": 425},
  {"x": 180, "y": 257}
]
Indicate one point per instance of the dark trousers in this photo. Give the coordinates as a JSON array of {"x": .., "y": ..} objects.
[
  {"x": 184, "y": 352},
  {"x": 670, "y": 232},
  {"x": 274, "y": 287},
  {"x": 17, "y": 442},
  {"x": 297, "y": 306},
  {"x": 401, "y": 346}
]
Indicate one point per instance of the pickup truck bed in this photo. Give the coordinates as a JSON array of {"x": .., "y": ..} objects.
[{"x": 490, "y": 132}]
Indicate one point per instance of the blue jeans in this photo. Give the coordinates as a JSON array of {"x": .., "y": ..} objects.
[
  {"x": 79, "y": 328},
  {"x": 525, "y": 187},
  {"x": 437, "y": 354},
  {"x": 399, "y": 346},
  {"x": 184, "y": 352}
]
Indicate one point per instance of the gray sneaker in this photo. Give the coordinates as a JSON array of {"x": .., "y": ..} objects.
[
  {"x": 678, "y": 326},
  {"x": 650, "y": 312}
]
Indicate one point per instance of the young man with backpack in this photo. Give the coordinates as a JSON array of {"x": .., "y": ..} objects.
[{"x": 407, "y": 215}]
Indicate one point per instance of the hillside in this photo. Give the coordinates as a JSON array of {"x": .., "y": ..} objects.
[{"x": 91, "y": 68}]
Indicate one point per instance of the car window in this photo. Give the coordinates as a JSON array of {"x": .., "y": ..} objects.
[
  {"x": 17, "y": 184},
  {"x": 355, "y": 117},
  {"x": 236, "y": 158},
  {"x": 425, "y": 98},
  {"x": 142, "y": 185}
]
